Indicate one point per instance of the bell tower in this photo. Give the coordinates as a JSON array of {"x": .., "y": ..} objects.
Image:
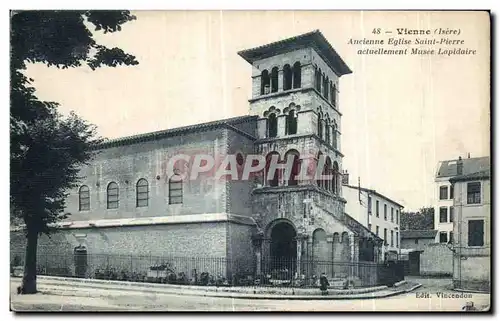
[{"x": 295, "y": 94}]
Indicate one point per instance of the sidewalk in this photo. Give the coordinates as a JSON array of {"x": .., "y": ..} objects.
[{"x": 72, "y": 286}]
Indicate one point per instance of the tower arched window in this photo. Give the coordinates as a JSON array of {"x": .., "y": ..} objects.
[
  {"x": 84, "y": 198},
  {"x": 272, "y": 179},
  {"x": 319, "y": 163},
  {"x": 272, "y": 125},
  {"x": 142, "y": 193},
  {"x": 112, "y": 195},
  {"x": 327, "y": 88},
  {"x": 327, "y": 171},
  {"x": 274, "y": 80},
  {"x": 334, "y": 135},
  {"x": 331, "y": 93},
  {"x": 264, "y": 82},
  {"x": 297, "y": 76},
  {"x": 291, "y": 123},
  {"x": 334, "y": 96},
  {"x": 327, "y": 131},
  {"x": 292, "y": 159},
  {"x": 335, "y": 179},
  {"x": 324, "y": 85},
  {"x": 175, "y": 190},
  {"x": 287, "y": 77},
  {"x": 320, "y": 125},
  {"x": 318, "y": 80}
]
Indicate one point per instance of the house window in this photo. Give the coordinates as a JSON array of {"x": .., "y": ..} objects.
[
  {"x": 142, "y": 193},
  {"x": 385, "y": 236},
  {"x": 476, "y": 233},
  {"x": 175, "y": 190},
  {"x": 443, "y": 214},
  {"x": 443, "y": 192},
  {"x": 474, "y": 193},
  {"x": 397, "y": 216},
  {"x": 112, "y": 195},
  {"x": 84, "y": 198},
  {"x": 377, "y": 230},
  {"x": 370, "y": 227},
  {"x": 272, "y": 126},
  {"x": 291, "y": 123},
  {"x": 369, "y": 205},
  {"x": 392, "y": 238},
  {"x": 397, "y": 239},
  {"x": 392, "y": 215},
  {"x": 451, "y": 191},
  {"x": 385, "y": 212},
  {"x": 377, "y": 210},
  {"x": 416, "y": 241},
  {"x": 451, "y": 214},
  {"x": 443, "y": 237}
]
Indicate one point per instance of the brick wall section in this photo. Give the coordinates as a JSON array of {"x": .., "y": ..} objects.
[
  {"x": 136, "y": 248},
  {"x": 125, "y": 165}
]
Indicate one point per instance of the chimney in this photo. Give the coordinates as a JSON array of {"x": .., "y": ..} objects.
[
  {"x": 345, "y": 178},
  {"x": 460, "y": 166}
]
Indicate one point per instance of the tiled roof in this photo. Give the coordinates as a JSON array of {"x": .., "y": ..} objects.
[
  {"x": 314, "y": 39},
  {"x": 176, "y": 131},
  {"x": 418, "y": 234},
  {"x": 472, "y": 176},
  {"x": 448, "y": 168}
]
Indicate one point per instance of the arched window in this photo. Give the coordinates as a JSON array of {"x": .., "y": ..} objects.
[
  {"x": 292, "y": 157},
  {"x": 331, "y": 93},
  {"x": 272, "y": 125},
  {"x": 320, "y": 125},
  {"x": 264, "y": 82},
  {"x": 320, "y": 251},
  {"x": 327, "y": 170},
  {"x": 327, "y": 131},
  {"x": 318, "y": 171},
  {"x": 297, "y": 76},
  {"x": 327, "y": 87},
  {"x": 113, "y": 195},
  {"x": 335, "y": 178},
  {"x": 84, "y": 198},
  {"x": 142, "y": 193},
  {"x": 318, "y": 80},
  {"x": 334, "y": 135},
  {"x": 274, "y": 80},
  {"x": 291, "y": 123},
  {"x": 334, "y": 96},
  {"x": 175, "y": 190},
  {"x": 272, "y": 179},
  {"x": 287, "y": 77}
]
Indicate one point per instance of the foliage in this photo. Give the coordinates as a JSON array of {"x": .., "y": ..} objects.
[
  {"x": 47, "y": 149},
  {"x": 421, "y": 220}
]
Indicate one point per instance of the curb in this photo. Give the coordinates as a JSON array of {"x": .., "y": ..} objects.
[
  {"x": 55, "y": 290},
  {"x": 471, "y": 291},
  {"x": 164, "y": 288}
]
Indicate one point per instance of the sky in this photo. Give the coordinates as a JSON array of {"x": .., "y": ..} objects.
[{"x": 401, "y": 114}]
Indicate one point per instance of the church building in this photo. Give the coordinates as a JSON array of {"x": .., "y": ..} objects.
[{"x": 128, "y": 204}]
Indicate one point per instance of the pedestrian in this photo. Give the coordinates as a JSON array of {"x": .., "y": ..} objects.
[{"x": 323, "y": 284}]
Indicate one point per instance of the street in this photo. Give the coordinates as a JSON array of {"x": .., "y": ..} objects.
[{"x": 72, "y": 299}]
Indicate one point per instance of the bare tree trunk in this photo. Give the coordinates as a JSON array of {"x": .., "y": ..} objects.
[{"x": 29, "y": 278}]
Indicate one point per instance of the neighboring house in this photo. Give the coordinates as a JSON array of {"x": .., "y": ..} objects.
[
  {"x": 444, "y": 212},
  {"x": 377, "y": 212},
  {"x": 417, "y": 239},
  {"x": 129, "y": 204},
  {"x": 472, "y": 227}
]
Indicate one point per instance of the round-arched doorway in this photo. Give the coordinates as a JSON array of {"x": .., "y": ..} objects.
[{"x": 283, "y": 247}]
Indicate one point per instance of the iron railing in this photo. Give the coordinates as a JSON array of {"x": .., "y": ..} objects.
[{"x": 217, "y": 271}]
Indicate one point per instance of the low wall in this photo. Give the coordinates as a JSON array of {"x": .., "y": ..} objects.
[{"x": 436, "y": 260}]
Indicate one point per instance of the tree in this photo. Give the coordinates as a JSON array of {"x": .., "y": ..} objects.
[
  {"x": 47, "y": 149},
  {"x": 421, "y": 220}
]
